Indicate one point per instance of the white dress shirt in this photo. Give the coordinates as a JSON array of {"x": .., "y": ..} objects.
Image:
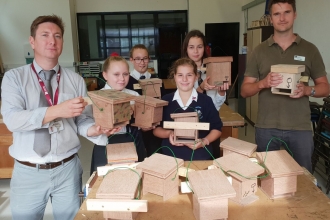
[
  {"x": 22, "y": 115},
  {"x": 136, "y": 75},
  {"x": 193, "y": 97}
]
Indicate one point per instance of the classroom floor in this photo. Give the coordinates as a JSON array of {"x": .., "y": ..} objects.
[{"x": 85, "y": 157}]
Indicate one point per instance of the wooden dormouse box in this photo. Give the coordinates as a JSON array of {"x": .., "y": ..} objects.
[
  {"x": 211, "y": 192},
  {"x": 160, "y": 175},
  {"x": 234, "y": 145},
  {"x": 111, "y": 108},
  {"x": 122, "y": 185},
  {"x": 282, "y": 180},
  {"x": 151, "y": 87},
  {"x": 244, "y": 184},
  {"x": 121, "y": 153},
  {"x": 148, "y": 111},
  {"x": 291, "y": 77},
  {"x": 219, "y": 70},
  {"x": 185, "y": 135}
]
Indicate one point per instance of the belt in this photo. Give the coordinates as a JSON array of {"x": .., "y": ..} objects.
[{"x": 47, "y": 166}]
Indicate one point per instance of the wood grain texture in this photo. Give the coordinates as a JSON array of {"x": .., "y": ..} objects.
[
  {"x": 119, "y": 184},
  {"x": 210, "y": 184},
  {"x": 240, "y": 164},
  {"x": 229, "y": 117},
  {"x": 280, "y": 163},
  {"x": 160, "y": 165},
  {"x": 121, "y": 153},
  {"x": 287, "y": 68},
  {"x": 238, "y": 146}
]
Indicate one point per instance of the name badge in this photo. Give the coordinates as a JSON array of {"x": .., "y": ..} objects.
[
  {"x": 55, "y": 126},
  {"x": 299, "y": 58}
]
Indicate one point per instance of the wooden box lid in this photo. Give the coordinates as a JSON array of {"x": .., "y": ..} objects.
[
  {"x": 240, "y": 164},
  {"x": 218, "y": 59},
  {"x": 210, "y": 184},
  {"x": 283, "y": 68},
  {"x": 111, "y": 96},
  {"x": 151, "y": 81},
  {"x": 160, "y": 165},
  {"x": 151, "y": 101},
  {"x": 122, "y": 152},
  {"x": 182, "y": 115},
  {"x": 119, "y": 184},
  {"x": 238, "y": 146},
  {"x": 280, "y": 163}
]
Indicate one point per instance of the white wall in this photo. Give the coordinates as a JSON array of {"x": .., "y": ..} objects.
[
  {"x": 16, "y": 17},
  {"x": 129, "y": 5}
]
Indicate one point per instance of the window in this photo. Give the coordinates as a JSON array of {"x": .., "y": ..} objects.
[{"x": 101, "y": 34}]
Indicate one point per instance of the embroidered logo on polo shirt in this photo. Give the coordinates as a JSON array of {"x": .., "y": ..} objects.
[{"x": 198, "y": 109}]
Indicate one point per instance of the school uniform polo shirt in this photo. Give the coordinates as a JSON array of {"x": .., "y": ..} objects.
[{"x": 281, "y": 111}]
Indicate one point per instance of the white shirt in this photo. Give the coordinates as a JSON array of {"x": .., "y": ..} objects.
[
  {"x": 128, "y": 91},
  {"x": 217, "y": 99},
  {"x": 193, "y": 96},
  {"x": 136, "y": 75},
  {"x": 22, "y": 115}
]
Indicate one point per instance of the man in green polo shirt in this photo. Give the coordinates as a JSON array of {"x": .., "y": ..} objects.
[{"x": 281, "y": 116}]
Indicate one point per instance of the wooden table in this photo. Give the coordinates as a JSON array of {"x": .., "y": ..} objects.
[
  {"x": 6, "y": 161},
  {"x": 231, "y": 121},
  {"x": 308, "y": 203}
]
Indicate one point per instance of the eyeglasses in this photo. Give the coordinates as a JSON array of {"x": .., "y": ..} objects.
[{"x": 138, "y": 60}]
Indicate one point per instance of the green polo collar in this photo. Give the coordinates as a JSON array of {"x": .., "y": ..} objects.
[{"x": 271, "y": 41}]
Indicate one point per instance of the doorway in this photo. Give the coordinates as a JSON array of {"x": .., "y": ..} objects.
[{"x": 224, "y": 39}]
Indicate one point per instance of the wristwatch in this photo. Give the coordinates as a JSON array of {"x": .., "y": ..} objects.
[{"x": 312, "y": 92}]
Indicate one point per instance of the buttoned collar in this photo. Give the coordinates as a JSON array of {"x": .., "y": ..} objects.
[
  {"x": 193, "y": 97},
  {"x": 271, "y": 41},
  {"x": 136, "y": 75}
]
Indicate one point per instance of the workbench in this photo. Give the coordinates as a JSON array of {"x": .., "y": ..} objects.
[
  {"x": 309, "y": 202},
  {"x": 231, "y": 122}
]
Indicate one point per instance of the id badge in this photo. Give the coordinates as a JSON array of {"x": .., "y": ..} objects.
[{"x": 55, "y": 126}]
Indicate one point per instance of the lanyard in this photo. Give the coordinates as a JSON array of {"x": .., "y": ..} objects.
[{"x": 44, "y": 89}]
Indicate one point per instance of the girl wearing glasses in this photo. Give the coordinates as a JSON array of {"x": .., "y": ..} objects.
[
  {"x": 116, "y": 73},
  {"x": 187, "y": 99}
]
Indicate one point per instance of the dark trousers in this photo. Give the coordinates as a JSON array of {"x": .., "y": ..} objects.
[
  {"x": 300, "y": 143},
  {"x": 151, "y": 142}
]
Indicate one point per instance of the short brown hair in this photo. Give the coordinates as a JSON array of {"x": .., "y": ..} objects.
[
  {"x": 138, "y": 46},
  {"x": 290, "y": 2},
  {"x": 193, "y": 33},
  {"x": 112, "y": 59},
  {"x": 46, "y": 18},
  {"x": 182, "y": 62}
]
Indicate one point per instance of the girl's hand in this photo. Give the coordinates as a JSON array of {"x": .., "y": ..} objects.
[
  {"x": 96, "y": 131},
  {"x": 222, "y": 89},
  {"x": 198, "y": 144},
  {"x": 171, "y": 139},
  {"x": 205, "y": 85}
]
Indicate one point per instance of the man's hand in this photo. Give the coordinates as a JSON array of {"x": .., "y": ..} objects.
[
  {"x": 271, "y": 80},
  {"x": 301, "y": 91},
  {"x": 71, "y": 108}
]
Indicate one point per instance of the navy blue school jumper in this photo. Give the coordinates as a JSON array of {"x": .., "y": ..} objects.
[
  {"x": 99, "y": 156},
  {"x": 206, "y": 112}
]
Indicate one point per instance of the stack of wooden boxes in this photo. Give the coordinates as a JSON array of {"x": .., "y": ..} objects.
[{"x": 160, "y": 175}]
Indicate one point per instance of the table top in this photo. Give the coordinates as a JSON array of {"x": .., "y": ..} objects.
[
  {"x": 308, "y": 203},
  {"x": 229, "y": 117}
]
